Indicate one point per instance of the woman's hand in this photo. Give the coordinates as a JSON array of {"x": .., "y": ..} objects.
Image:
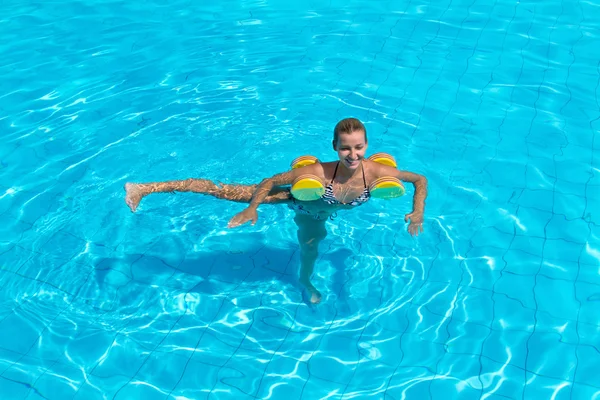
[
  {"x": 249, "y": 214},
  {"x": 416, "y": 223}
]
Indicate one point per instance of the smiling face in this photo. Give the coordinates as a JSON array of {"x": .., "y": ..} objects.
[{"x": 351, "y": 148}]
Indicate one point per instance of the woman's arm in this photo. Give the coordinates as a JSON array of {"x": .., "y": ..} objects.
[
  {"x": 263, "y": 189},
  {"x": 420, "y": 184},
  {"x": 416, "y": 216}
]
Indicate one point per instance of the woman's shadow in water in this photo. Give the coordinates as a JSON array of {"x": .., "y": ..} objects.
[{"x": 257, "y": 267}]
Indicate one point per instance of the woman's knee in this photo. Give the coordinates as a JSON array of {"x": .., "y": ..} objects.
[
  {"x": 311, "y": 239},
  {"x": 239, "y": 193}
]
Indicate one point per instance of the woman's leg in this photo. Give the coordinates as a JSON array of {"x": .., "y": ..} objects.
[
  {"x": 310, "y": 233},
  {"x": 134, "y": 192}
]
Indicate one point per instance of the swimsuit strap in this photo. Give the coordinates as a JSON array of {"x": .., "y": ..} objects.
[
  {"x": 362, "y": 166},
  {"x": 335, "y": 172}
]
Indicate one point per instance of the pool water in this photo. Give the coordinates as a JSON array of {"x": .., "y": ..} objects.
[{"x": 496, "y": 103}]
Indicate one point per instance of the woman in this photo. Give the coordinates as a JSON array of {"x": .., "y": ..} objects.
[{"x": 348, "y": 187}]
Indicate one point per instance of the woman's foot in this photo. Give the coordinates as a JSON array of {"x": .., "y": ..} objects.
[
  {"x": 133, "y": 195},
  {"x": 315, "y": 295}
]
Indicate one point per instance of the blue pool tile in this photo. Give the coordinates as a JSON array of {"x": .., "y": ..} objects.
[
  {"x": 20, "y": 331},
  {"x": 520, "y": 264},
  {"x": 138, "y": 390},
  {"x": 196, "y": 381},
  {"x": 300, "y": 346},
  {"x": 25, "y": 371},
  {"x": 332, "y": 365},
  {"x": 383, "y": 350},
  {"x": 562, "y": 250},
  {"x": 410, "y": 382},
  {"x": 269, "y": 336},
  {"x": 528, "y": 245},
  {"x": 512, "y": 313},
  {"x": 13, "y": 389},
  {"x": 474, "y": 305},
  {"x": 38, "y": 206},
  {"x": 370, "y": 380},
  {"x": 503, "y": 219},
  {"x": 417, "y": 352},
  {"x": 283, "y": 377},
  {"x": 13, "y": 228},
  {"x": 201, "y": 347},
  {"x": 59, "y": 381},
  {"x": 57, "y": 276},
  {"x": 435, "y": 296},
  {"x": 561, "y": 303},
  {"x": 564, "y": 329},
  {"x": 119, "y": 361},
  {"x": 540, "y": 173},
  {"x": 588, "y": 295},
  {"x": 319, "y": 388},
  {"x": 35, "y": 395},
  {"x": 500, "y": 381},
  {"x": 571, "y": 205},
  {"x": 568, "y": 189},
  {"x": 233, "y": 268},
  {"x": 590, "y": 255},
  {"x": 350, "y": 327},
  {"x": 542, "y": 141},
  {"x": 543, "y": 348},
  {"x": 458, "y": 375},
  {"x": 487, "y": 236},
  {"x": 150, "y": 270},
  {"x": 447, "y": 269},
  {"x": 13, "y": 257},
  {"x": 482, "y": 275},
  {"x": 587, "y": 357},
  {"x": 533, "y": 221},
  {"x": 63, "y": 245},
  {"x": 546, "y": 387},
  {"x": 278, "y": 388},
  {"x": 518, "y": 287},
  {"x": 538, "y": 198},
  {"x": 569, "y": 169},
  {"x": 581, "y": 391},
  {"x": 238, "y": 379},
  {"x": 560, "y": 228},
  {"x": 464, "y": 337},
  {"x": 560, "y": 270},
  {"x": 506, "y": 345},
  {"x": 506, "y": 173},
  {"x": 89, "y": 346}
]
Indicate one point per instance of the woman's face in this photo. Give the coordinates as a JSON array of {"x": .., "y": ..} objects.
[{"x": 351, "y": 148}]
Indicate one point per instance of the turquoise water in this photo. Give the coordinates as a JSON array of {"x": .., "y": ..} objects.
[{"x": 495, "y": 102}]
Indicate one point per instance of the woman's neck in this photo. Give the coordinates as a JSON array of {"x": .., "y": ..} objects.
[{"x": 344, "y": 174}]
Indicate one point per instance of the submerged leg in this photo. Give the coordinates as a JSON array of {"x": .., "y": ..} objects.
[
  {"x": 310, "y": 233},
  {"x": 134, "y": 192}
]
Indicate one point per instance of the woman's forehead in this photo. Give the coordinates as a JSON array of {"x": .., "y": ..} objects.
[{"x": 354, "y": 138}]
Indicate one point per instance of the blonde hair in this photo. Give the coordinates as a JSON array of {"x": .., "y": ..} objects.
[{"x": 347, "y": 126}]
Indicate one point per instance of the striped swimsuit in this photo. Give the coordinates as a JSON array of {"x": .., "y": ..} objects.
[{"x": 329, "y": 197}]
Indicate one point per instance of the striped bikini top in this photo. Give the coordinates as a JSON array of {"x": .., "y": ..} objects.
[{"x": 329, "y": 198}]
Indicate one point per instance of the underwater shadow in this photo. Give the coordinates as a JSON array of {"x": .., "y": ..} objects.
[{"x": 217, "y": 272}]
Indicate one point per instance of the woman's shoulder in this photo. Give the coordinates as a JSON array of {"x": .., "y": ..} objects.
[
  {"x": 328, "y": 164},
  {"x": 375, "y": 170},
  {"x": 317, "y": 168},
  {"x": 376, "y": 167}
]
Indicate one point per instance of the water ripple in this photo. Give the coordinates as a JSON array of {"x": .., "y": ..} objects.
[{"x": 486, "y": 100}]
